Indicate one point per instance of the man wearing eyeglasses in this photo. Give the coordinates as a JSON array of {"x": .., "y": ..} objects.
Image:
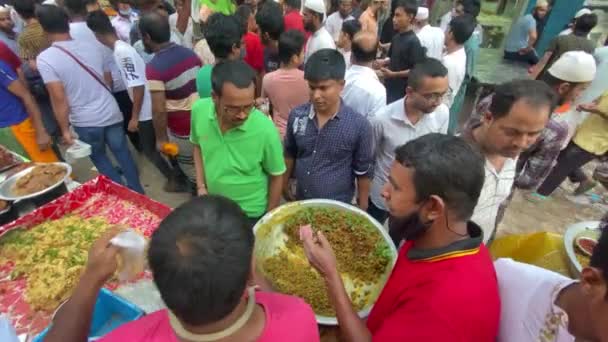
[
  {"x": 420, "y": 112},
  {"x": 237, "y": 149}
]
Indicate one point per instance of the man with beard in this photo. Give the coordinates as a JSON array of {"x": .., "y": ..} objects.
[
  {"x": 420, "y": 112},
  {"x": 513, "y": 121},
  {"x": 443, "y": 286},
  {"x": 314, "y": 14},
  {"x": 335, "y": 20},
  {"x": 328, "y": 144},
  {"x": 172, "y": 81},
  {"x": 369, "y": 18}
]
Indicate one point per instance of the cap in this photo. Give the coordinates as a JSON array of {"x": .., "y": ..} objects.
[
  {"x": 423, "y": 13},
  {"x": 315, "y": 5},
  {"x": 574, "y": 66},
  {"x": 582, "y": 12}
]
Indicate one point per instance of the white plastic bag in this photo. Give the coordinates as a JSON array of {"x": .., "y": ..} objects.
[{"x": 132, "y": 248}]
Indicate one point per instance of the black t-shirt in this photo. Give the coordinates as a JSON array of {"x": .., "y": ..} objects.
[
  {"x": 405, "y": 52},
  {"x": 271, "y": 61}
]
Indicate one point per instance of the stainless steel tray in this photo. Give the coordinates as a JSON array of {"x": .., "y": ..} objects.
[
  {"x": 269, "y": 239},
  {"x": 572, "y": 232},
  {"x": 6, "y": 187}
]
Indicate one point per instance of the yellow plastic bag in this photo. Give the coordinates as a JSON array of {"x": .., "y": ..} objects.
[{"x": 542, "y": 249}]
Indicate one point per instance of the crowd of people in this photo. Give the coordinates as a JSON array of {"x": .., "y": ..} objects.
[{"x": 249, "y": 104}]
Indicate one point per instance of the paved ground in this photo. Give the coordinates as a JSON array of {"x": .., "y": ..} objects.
[{"x": 522, "y": 216}]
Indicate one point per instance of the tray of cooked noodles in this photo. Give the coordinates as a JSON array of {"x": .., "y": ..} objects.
[
  {"x": 364, "y": 251},
  {"x": 579, "y": 241},
  {"x": 43, "y": 253},
  {"x": 34, "y": 181}
]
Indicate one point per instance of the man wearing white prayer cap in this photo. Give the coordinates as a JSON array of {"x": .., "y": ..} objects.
[
  {"x": 430, "y": 37},
  {"x": 578, "y": 14},
  {"x": 313, "y": 17}
]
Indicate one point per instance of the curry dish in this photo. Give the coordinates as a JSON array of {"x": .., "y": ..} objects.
[
  {"x": 583, "y": 258},
  {"x": 41, "y": 177},
  {"x": 51, "y": 256},
  {"x": 361, "y": 252}
]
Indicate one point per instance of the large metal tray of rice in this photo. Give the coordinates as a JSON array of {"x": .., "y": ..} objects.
[{"x": 364, "y": 251}]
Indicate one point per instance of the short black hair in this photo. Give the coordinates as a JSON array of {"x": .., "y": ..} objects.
[
  {"x": 25, "y": 8},
  {"x": 351, "y": 27},
  {"x": 585, "y": 23},
  {"x": 409, "y": 6},
  {"x": 325, "y": 64},
  {"x": 535, "y": 93},
  {"x": 200, "y": 257},
  {"x": 99, "y": 23},
  {"x": 462, "y": 28},
  {"x": 296, "y": 4},
  {"x": 445, "y": 166},
  {"x": 76, "y": 7},
  {"x": 270, "y": 20},
  {"x": 361, "y": 54},
  {"x": 471, "y": 7},
  {"x": 236, "y": 72},
  {"x": 53, "y": 19},
  {"x": 291, "y": 44},
  {"x": 243, "y": 12},
  {"x": 428, "y": 67},
  {"x": 223, "y": 33},
  {"x": 156, "y": 26}
]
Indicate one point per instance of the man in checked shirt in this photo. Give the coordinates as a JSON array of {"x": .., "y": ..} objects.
[{"x": 328, "y": 144}]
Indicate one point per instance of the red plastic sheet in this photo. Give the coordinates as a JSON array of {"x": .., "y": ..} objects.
[{"x": 98, "y": 197}]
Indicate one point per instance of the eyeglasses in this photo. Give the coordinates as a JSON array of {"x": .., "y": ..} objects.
[
  {"x": 436, "y": 97},
  {"x": 235, "y": 110}
]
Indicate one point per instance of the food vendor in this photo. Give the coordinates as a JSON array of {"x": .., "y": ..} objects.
[
  {"x": 443, "y": 286},
  {"x": 201, "y": 261}
]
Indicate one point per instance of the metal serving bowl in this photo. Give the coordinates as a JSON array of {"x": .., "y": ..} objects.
[
  {"x": 269, "y": 238},
  {"x": 6, "y": 187},
  {"x": 572, "y": 232}
]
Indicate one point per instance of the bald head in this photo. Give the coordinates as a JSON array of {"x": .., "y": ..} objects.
[
  {"x": 364, "y": 48},
  {"x": 155, "y": 27}
]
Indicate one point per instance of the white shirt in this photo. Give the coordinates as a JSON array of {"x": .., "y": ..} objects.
[
  {"x": 527, "y": 309},
  {"x": 392, "y": 128},
  {"x": 346, "y": 55},
  {"x": 81, "y": 32},
  {"x": 445, "y": 21},
  {"x": 90, "y": 103},
  {"x": 333, "y": 24},
  {"x": 363, "y": 92},
  {"x": 186, "y": 37},
  {"x": 496, "y": 188},
  {"x": 319, "y": 40},
  {"x": 123, "y": 26},
  {"x": 456, "y": 63},
  {"x": 133, "y": 71},
  {"x": 433, "y": 39}
]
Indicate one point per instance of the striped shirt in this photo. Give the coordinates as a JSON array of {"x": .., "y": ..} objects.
[{"x": 173, "y": 70}]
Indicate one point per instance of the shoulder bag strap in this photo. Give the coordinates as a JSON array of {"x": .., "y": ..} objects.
[{"x": 89, "y": 71}]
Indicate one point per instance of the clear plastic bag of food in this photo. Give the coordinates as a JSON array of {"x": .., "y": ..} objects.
[{"x": 132, "y": 254}]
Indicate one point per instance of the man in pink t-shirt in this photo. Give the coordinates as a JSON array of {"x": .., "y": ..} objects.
[
  {"x": 286, "y": 88},
  {"x": 201, "y": 261}
]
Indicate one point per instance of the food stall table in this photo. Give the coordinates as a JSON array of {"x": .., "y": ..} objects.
[{"x": 99, "y": 197}]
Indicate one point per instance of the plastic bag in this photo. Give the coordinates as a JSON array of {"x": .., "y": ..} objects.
[
  {"x": 542, "y": 249},
  {"x": 132, "y": 253}
]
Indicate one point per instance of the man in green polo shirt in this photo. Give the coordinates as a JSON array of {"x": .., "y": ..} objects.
[{"x": 237, "y": 149}]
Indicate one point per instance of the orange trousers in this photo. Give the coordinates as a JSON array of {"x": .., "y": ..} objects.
[{"x": 25, "y": 134}]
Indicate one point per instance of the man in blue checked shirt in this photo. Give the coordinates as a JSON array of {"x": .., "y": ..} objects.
[{"x": 327, "y": 144}]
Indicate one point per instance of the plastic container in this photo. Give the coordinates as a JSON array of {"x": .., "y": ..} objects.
[
  {"x": 132, "y": 254},
  {"x": 110, "y": 312},
  {"x": 77, "y": 151}
]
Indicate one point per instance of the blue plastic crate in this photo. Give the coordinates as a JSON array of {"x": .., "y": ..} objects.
[{"x": 111, "y": 311}]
